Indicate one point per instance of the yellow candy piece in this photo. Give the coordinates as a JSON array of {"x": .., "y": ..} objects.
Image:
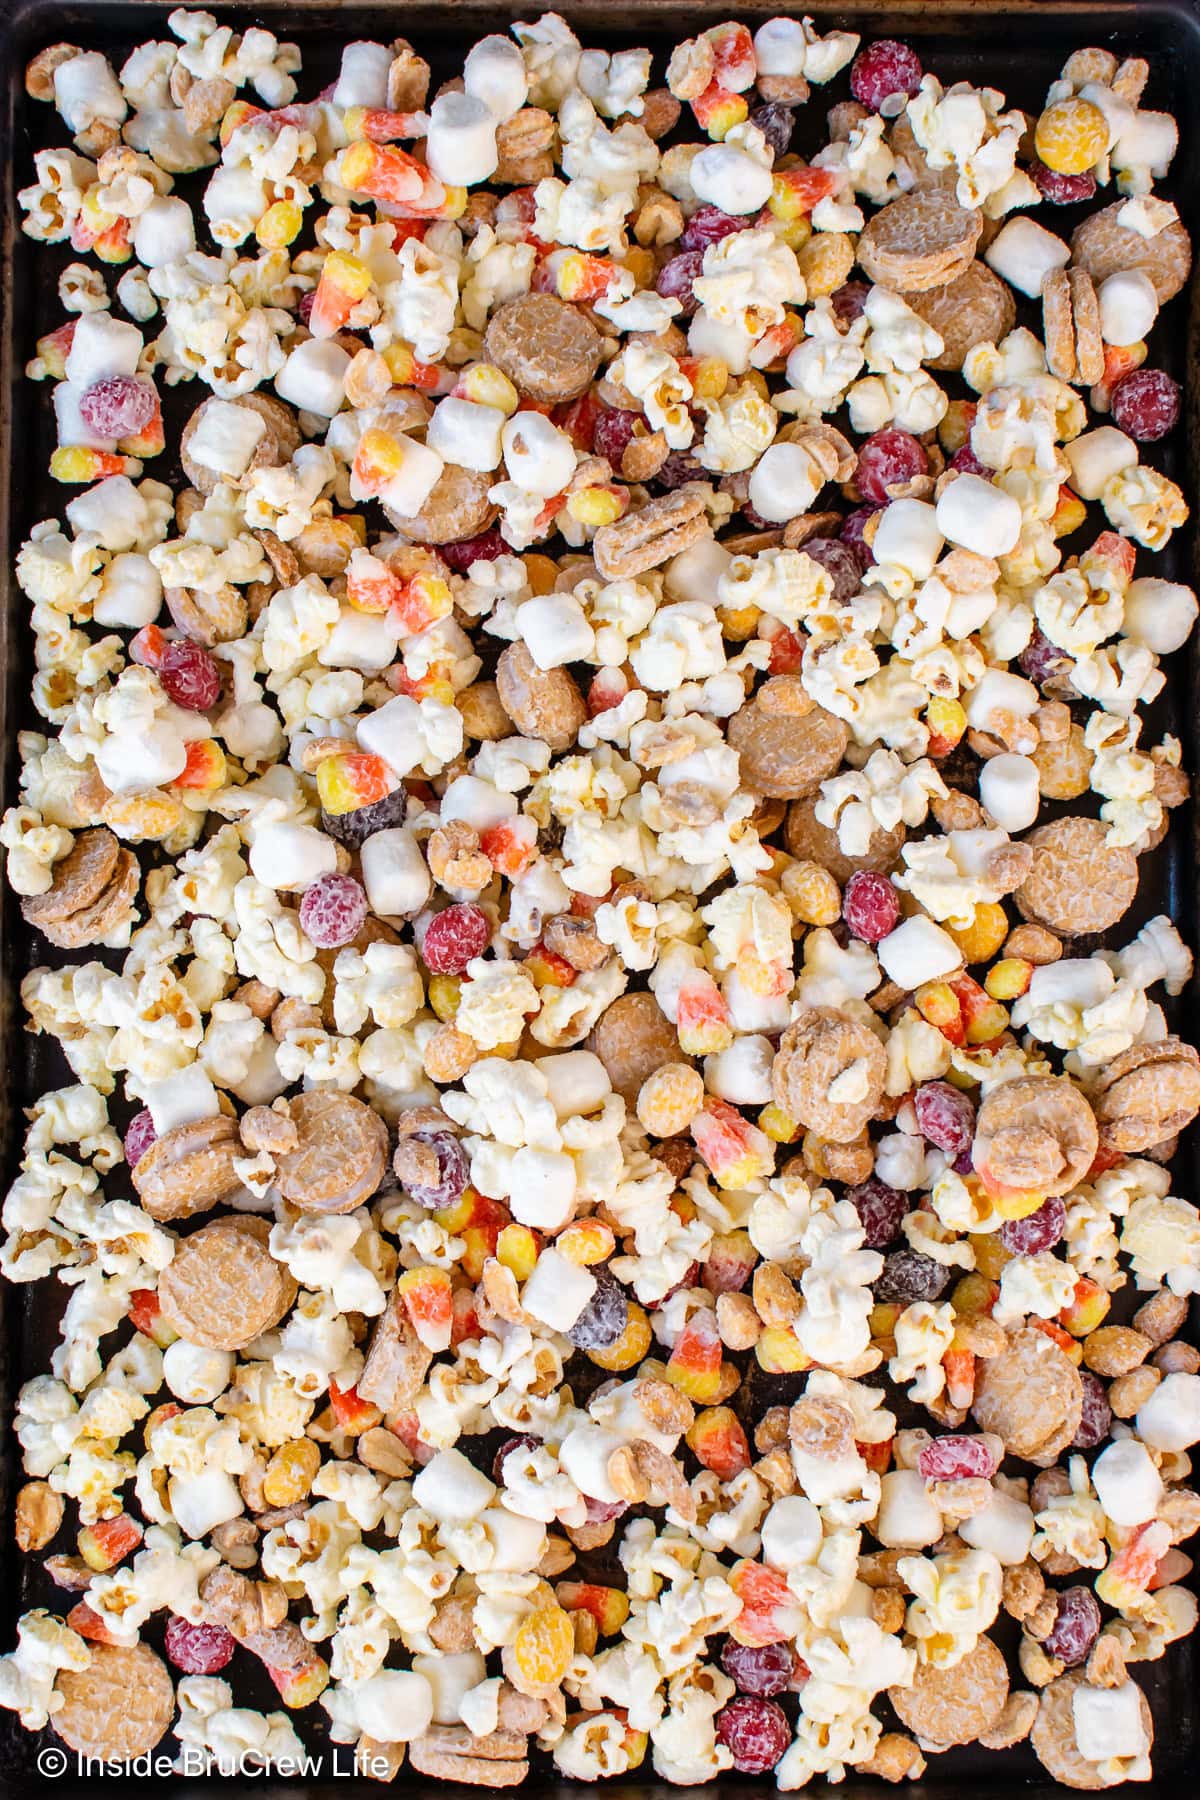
[
  {"x": 1071, "y": 136},
  {"x": 291, "y": 1472},
  {"x": 812, "y": 894},
  {"x": 587, "y": 1241},
  {"x": 597, "y": 505},
  {"x": 738, "y": 623},
  {"x": 629, "y": 1348},
  {"x": 779, "y": 1352},
  {"x": 981, "y": 939},
  {"x": 487, "y": 385},
  {"x": 543, "y": 1648},
  {"x": 778, "y": 1127},
  {"x": 1009, "y": 978},
  {"x": 445, "y": 992},
  {"x": 670, "y": 1098},
  {"x": 711, "y": 378},
  {"x": 1017, "y": 1206},
  {"x": 279, "y": 225},
  {"x": 517, "y": 1249}
]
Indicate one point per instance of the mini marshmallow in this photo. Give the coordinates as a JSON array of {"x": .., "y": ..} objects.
[
  {"x": 1008, "y": 788},
  {"x": 555, "y": 630},
  {"x": 463, "y": 432},
  {"x": 1158, "y": 613},
  {"x": 180, "y": 1099},
  {"x": 578, "y": 1082},
  {"x": 791, "y": 1533},
  {"x": 978, "y": 515},
  {"x": 584, "y": 1453},
  {"x": 908, "y": 535},
  {"x": 364, "y": 641},
  {"x": 394, "y": 873},
  {"x": 695, "y": 572},
  {"x": 195, "y": 1375},
  {"x": 314, "y": 377},
  {"x": 1127, "y": 1484},
  {"x": 291, "y": 857},
  {"x": 164, "y": 232},
  {"x": 916, "y": 952},
  {"x": 1096, "y": 456},
  {"x": 102, "y": 346},
  {"x": 396, "y": 1704},
  {"x": 130, "y": 591},
  {"x": 780, "y": 47},
  {"x": 461, "y": 146},
  {"x": 558, "y": 1290},
  {"x": 539, "y": 457},
  {"x": 784, "y": 483},
  {"x": 225, "y": 437},
  {"x": 495, "y": 73},
  {"x": 1128, "y": 307},
  {"x": 1004, "y": 1528},
  {"x": 202, "y": 1502},
  {"x": 477, "y": 803},
  {"x": 1023, "y": 253},
  {"x": 1108, "y": 1722},
  {"x": 742, "y": 1073},
  {"x": 908, "y": 1518},
  {"x": 452, "y": 1489},
  {"x": 1170, "y": 1419},
  {"x": 727, "y": 177},
  {"x": 1147, "y": 140},
  {"x": 393, "y": 731},
  {"x": 543, "y": 1190},
  {"x": 363, "y": 77},
  {"x": 1001, "y": 692},
  {"x": 450, "y": 1675}
]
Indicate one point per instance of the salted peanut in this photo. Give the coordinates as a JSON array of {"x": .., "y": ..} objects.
[
  {"x": 1129, "y": 1392},
  {"x": 542, "y": 703},
  {"x": 776, "y": 1299},
  {"x": 525, "y": 145},
  {"x": 1054, "y": 1735},
  {"x": 1146, "y": 1094},
  {"x": 1033, "y": 943},
  {"x": 632, "y": 1038},
  {"x": 1115, "y": 1349},
  {"x": 452, "y": 1629},
  {"x": 117, "y": 1708},
  {"x": 39, "y": 1513},
  {"x": 821, "y": 1427},
  {"x": 1177, "y": 1359},
  {"x": 449, "y": 1054},
  {"x": 483, "y": 714},
  {"x": 455, "y": 859},
  {"x": 849, "y": 1163},
  {"x": 217, "y": 618},
  {"x": 663, "y": 1406},
  {"x": 738, "y": 1322},
  {"x": 262, "y": 1128},
  {"x": 576, "y": 941},
  {"x": 381, "y": 1450},
  {"x": 294, "y": 1015},
  {"x": 895, "y": 1757},
  {"x": 1106, "y": 1662},
  {"x": 956, "y": 811},
  {"x": 888, "y": 1609},
  {"x": 643, "y": 456},
  {"x": 1161, "y": 1316},
  {"x": 261, "y": 1000}
]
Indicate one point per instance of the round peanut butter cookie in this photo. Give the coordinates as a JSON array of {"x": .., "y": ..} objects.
[
  {"x": 1079, "y": 883},
  {"x": 117, "y": 1708},
  {"x": 341, "y": 1155},
  {"x": 975, "y": 308},
  {"x": 958, "y": 1705},
  {"x": 546, "y": 347},
  {"x": 223, "y": 1288}
]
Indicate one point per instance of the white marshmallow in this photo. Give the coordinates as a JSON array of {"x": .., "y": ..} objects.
[
  {"x": 364, "y": 641},
  {"x": 1108, "y": 1722},
  {"x": 453, "y": 1489},
  {"x": 494, "y": 72},
  {"x": 477, "y": 803},
  {"x": 394, "y": 874},
  {"x": 539, "y": 457},
  {"x": 978, "y": 515},
  {"x": 69, "y": 419},
  {"x": 405, "y": 492},
  {"x": 1128, "y": 307},
  {"x": 695, "y": 572},
  {"x": 558, "y": 1290},
  {"x": 742, "y": 1073},
  {"x": 1148, "y": 140},
  {"x": 791, "y": 1533},
  {"x": 130, "y": 591},
  {"x": 1127, "y": 1483},
  {"x": 314, "y": 377},
  {"x": 725, "y": 176},
  {"x": 180, "y": 1099},
  {"x": 195, "y": 1375},
  {"x": 363, "y": 78},
  {"x": 584, "y": 1454},
  {"x": 102, "y": 346},
  {"x": 543, "y": 1190},
  {"x": 1000, "y": 691},
  {"x": 393, "y": 731},
  {"x": 225, "y": 437},
  {"x": 461, "y": 146},
  {"x": 555, "y": 630},
  {"x": 450, "y": 1676},
  {"x": 1008, "y": 788},
  {"x": 785, "y": 482},
  {"x": 579, "y": 1082},
  {"x": 1023, "y": 253},
  {"x": 916, "y": 952},
  {"x": 1170, "y": 1419},
  {"x": 1004, "y": 1527},
  {"x": 1158, "y": 613},
  {"x": 164, "y": 232},
  {"x": 1096, "y": 456},
  {"x": 908, "y": 1518},
  {"x": 463, "y": 432},
  {"x": 908, "y": 535},
  {"x": 291, "y": 857},
  {"x": 394, "y": 1706},
  {"x": 780, "y": 47}
]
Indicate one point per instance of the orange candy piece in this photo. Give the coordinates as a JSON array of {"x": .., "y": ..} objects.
[
  {"x": 607, "y": 1605},
  {"x": 694, "y": 1365},
  {"x": 426, "y": 1295},
  {"x": 768, "y": 1605},
  {"x": 717, "y": 1439}
]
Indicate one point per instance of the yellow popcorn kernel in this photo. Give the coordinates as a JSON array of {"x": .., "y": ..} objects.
[
  {"x": 597, "y": 505},
  {"x": 279, "y": 225},
  {"x": 983, "y": 936}
]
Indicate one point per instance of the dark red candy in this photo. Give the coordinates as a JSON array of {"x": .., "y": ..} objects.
[
  {"x": 777, "y": 123},
  {"x": 870, "y": 905},
  {"x": 708, "y": 225},
  {"x": 1039, "y": 1230},
  {"x": 849, "y": 300},
  {"x": 614, "y": 428},
  {"x": 1041, "y": 660},
  {"x": 522, "y": 1441},
  {"x": 305, "y": 305},
  {"x": 599, "y": 1512},
  {"x": 967, "y": 463},
  {"x": 198, "y": 1649},
  {"x": 1096, "y": 1420},
  {"x": 1062, "y": 190},
  {"x": 955, "y": 1457},
  {"x": 852, "y": 532},
  {"x": 909, "y": 1276},
  {"x": 333, "y": 911},
  {"x": 1076, "y": 1626},
  {"x": 189, "y": 675},
  {"x": 884, "y": 68},
  {"x": 679, "y": 469},
  {"x": 485, "y": 547},
  {"x": 845, "y": 564},
  {"x": 604, "y": 1317},
  {"x": 880, "y": 1209},
  {"x": 1145, "y": 403},
  {"x": 756, "y": 1731},
  {"x": 675, "y": 279},
  {"x": 758, "y": 1669},
  {"x": 454, "y": 938},
  {"x": 139, "y": 1135},
  {"x": 119, "y": 406},
  {"x": 889, "y": 458},
  {"x": 945, "y": 1115},
  {"x": 453, "y": 1170}
]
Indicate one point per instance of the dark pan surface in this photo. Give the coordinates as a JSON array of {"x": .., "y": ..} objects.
[{"x": 1019, "y": 47}]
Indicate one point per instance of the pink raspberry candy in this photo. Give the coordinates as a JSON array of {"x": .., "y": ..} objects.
[
  {"x": 888, "y": 459},
  {"x": 883, "y": 69},
  {"x": 880, "y": 1210},
  {"x": 954, "y": 1457},
  {"x": 1061, "y": 190},
  {"x": 333, "y": 911},
  {"x": 708, "y": 225},
  {"x": 1039, "y": 1230},
  {"x": 1076, "y": 1627},
  {"x": 139, "y": 1135},
  {"x": 486, "y": 547},
  {"x": 675, "y": 279},
  {"x": 756, "y": 1731},
  {"x": 870, "y": 905},
  {"x": 198, "y": 1649},
  {"x": 759, "y": 1669},
  {"x": 189, "y": 675},
  {"x": 1145, "y": 403},
  {"x": 614, "y": 428},
  {"x": 119, "y": 406},
  {"x": 454, "y": 938},
  {"x": 945, "y": 1115}
]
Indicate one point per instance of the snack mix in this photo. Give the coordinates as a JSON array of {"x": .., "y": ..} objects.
[{"x": 613, "y": 1208}]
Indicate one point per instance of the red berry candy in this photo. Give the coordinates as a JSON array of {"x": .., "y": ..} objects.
[
  {"x": 884, "y": 68},
  {"x": 120, "y": 406},
  {"x": 486, "y": 547},
  {"x": 614, "y": 428},
  {"x": 333, "y": 911},
  {"x": 1039, "y": 1230},
  {"x": 675, "y": 279},
  {"x": 758, "y": 1669},
  {"x": 870, "y": 905},
  {"x": 1145, "y": 403},
  {"x": 139, "y": 1135},
  {"x": 198, "y": 1649},
  {"x": 844, "y": 563},
  {"x": 522, "y": 1441},
  {"x": 453, "y": 1171},
  {"x": 945, "y": 1115},
  {"x": 1041, "y": 660},
  {"x": 1076, "y": 1627},
  {"x": 1062, "y": 190},
  {"x": 852, "y": 532},
  {"x": 954, "y": 1457},
  {"x": 708, "y": 225},
  {"x": 1096, "y": 1421},
  {"x": 888, "y": 459},
  {"x": 967, "y": 463},
  {"x": 189, "y": 675},
  {"x": 454, "y": 938},
  {"x": 849, "y": 300},
  {"x": 880, "y": 1210},
  {"x": 757, "y": 1732}
]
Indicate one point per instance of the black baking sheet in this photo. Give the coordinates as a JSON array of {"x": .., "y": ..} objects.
[{"x": 1019, "y": 48}]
